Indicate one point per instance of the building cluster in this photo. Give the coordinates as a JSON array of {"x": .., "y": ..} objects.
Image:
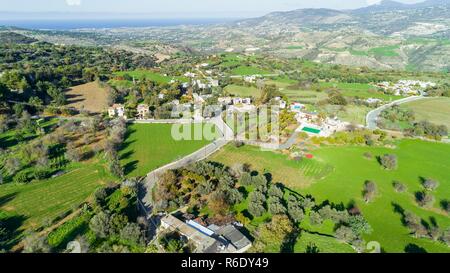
[
  {"x": 207, "y": 239},
  {"x": 406, "y": 87}
]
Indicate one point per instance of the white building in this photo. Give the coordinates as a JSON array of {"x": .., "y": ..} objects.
[
  {"x": 117, "y": 110},
  {"x": 225, "y": 100},
  {"x": 143, "y": 111}
]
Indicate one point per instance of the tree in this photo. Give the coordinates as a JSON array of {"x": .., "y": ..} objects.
[
  {"x": 399, "y": 187},
  {"x": 100, "y": 196},
  {"x": 73, "y": 154},
  {"x": 21, "y": 178},
  {"x": 3, "y": 123},
  {"x": 99, "y": 224},
  {"x": 359, "y": 225},
  {"x": 276, "y": 191},
  {"x": 217, "y": 203},
  {"x": 116, "y": 223},
  {"x": 414, "y": 224},
  {"x": 345, "y": 234},
  {"x": 274, "y": 234},
  {"x": 35, "y": 243},
  {"x": 12, "y": 165},
  {"x": 275, "y": 206},
  {"x": 370, "y": 191},
  {"x": 115, "y": 168},
  {"x": 241, "y": 218},
  {"x": 315, "y": 218},
  {"x": 132, "y": 233},
  {"x": 295, "y": 211},
  {"x": 389, "y": 161},
  {"x": 246, "y": 179},
  {"x": 425, "y": 199},
  {"x": 256, "y": 209},
  {"x": 430, "y": 184}
]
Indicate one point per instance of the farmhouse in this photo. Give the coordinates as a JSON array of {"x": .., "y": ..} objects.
[
  {"x": 225, "y": 100},
  {"x": 117, "y": 110},
  {"x": 143, "y": 111},
  {"x": 211, "y": 239}
]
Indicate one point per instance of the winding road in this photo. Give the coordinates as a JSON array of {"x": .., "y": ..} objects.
[{"x": 372, "y": 116}]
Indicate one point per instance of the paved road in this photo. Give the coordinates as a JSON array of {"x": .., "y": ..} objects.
[
  {"x": 148, "y": 183},
  {"x": 372, "y": 116}
]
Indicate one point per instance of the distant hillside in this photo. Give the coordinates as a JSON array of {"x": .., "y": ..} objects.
[{"x": 15, "y": 38}]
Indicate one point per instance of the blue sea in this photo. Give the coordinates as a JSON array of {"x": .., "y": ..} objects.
[{"x": 106, "y": 23}]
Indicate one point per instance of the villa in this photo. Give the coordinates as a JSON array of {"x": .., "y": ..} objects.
[
  {"x": 117, "y": 110},
  {"x": 143, "y": 111}
]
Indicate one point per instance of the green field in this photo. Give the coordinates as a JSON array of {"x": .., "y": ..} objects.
[
  {"x": 150, "y": 75},
  {"x": 249, "y": 70},
  {"x": 150, "y": 146},
  {"x": 304, "y": 96},
  {"x": 385, "y": 51},
  {"x": 323, "y": 243},
  {"x": 343, "y": 182},
  {"x": 416, "y": 159},
  {"x": 435, "y": 110},
  {"x": 361, "y": 90},
  {"x": 242, "y": 91},
  {"x": 355, "y": 114}
]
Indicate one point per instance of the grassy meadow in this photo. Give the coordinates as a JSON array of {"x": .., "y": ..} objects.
[
  {"x": 150, "y": 146},
  {"x": 337, "y": 175}
]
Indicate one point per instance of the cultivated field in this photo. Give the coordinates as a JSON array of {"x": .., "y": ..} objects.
[
  {"x": 150, "y": 146},
  {"x": 39, "y": 203},
  {"x": 90, "y": 97},
  {"x": 249, "y": 70},
  {"x": 242, "y": 91},
  {"x": 294, "y": 174},
  {"x": 435, "y": 110},
  {"x": 150, "y": 75}
]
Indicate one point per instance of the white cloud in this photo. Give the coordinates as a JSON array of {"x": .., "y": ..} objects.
[{"x": 73, "y": 2}]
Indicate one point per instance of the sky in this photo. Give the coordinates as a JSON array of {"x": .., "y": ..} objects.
[{"x": 179, "y": 8}]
